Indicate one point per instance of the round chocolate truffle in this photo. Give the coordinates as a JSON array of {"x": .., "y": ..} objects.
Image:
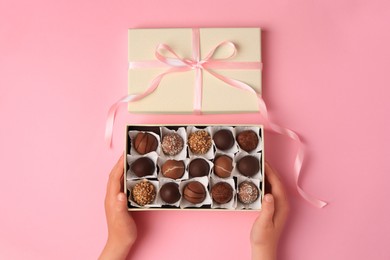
[
  {"x": 223, "y": 166},
  {"x": 248, "y": 165},
  {"x": 145, "y": 143},
  {"x": 198, "y": 168},
  {"x": 173, "y": 169},
  {"x": 247, "y": 140},
  {"x": 169, "y": 192},
  {"x": 199, "y": 142},
  {"x": 194, "y": 192},
  {"x": 223, "y": 139},
  {"x": 143, "y": 166},
  {"x": 143, "y": 192},
  {"x": 222, "y": 192},
  {"x": 172, "y": 144},
  {"x": 248, "y": 192}
]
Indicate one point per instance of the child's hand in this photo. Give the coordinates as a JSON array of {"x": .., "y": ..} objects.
[
  {"x": 269, "y": 224},
  {"x": 122, "y": 231}
]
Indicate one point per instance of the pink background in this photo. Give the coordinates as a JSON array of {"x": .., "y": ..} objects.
[{"x": 326, "y": 75}]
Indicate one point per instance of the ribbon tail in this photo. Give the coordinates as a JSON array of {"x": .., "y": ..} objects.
[
  {"x": 232, "y": 82},
  {"x": 111, "y": 118},
  {"x": 299, "y": 157},
  {"x": 131, "y": 98}
]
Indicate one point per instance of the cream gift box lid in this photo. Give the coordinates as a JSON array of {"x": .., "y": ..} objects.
[{"x": 175, "y": 93}]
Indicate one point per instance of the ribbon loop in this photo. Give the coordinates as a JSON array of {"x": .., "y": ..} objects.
[
  {"x": 229, "y": 45},
  {"x": 196, "y": 62}
]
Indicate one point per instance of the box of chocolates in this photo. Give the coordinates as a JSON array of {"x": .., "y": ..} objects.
[{"x": 217, "y": 167}]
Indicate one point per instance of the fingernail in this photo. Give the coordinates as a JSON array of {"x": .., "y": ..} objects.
[
  {"x": 268, "y": 198},
  {"x": 121, "y": 197}
]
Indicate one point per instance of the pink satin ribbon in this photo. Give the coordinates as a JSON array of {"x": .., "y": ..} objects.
[
  {"x": 298, "y": 158},
  {"x": 177, "y": 64}
]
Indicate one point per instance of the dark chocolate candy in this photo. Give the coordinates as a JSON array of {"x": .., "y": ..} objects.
[
  {"x": 247, "y": 140},
  {"x": 173, "y": 169},
  {"x": 248, "y": 165},
  {"x": 143, "y": 166},
  {"x": 145, "y": 143},
  {"x": 169, "y": 192},
  {"x": 247, "y": 192},
  {"x": 198, "y": 168},
  {"x": 194, "y": 192},
  {"x": 223, "y": 166},
  {"x": 223, "y": 139},
  {"x": 222, "y": 192}
]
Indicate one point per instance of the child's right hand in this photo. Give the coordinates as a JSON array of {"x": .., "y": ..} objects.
[{"x": 269, "y": 224}]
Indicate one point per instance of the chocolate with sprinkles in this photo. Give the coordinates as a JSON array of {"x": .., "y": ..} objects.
[
  {"x": 199, "y": 142},
  {"x": 247, "y": 192},
  {"x": 172, "y": 144},
  {"x": 143, "y": 192}
]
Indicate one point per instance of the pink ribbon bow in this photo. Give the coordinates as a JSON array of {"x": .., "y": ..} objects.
[{"x": 177, "y": 64}]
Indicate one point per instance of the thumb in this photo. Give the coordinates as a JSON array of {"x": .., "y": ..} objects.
[
  {"x": 267, "y": 210},
  {"x": 121, "y": 202}
]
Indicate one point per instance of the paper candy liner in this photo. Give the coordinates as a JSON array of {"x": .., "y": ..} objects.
[
  {"x": 239, "y": 129},
  {"x": 210, "y": 154},
  {"x": 213, "y": 175},
  {"x": 130, "y": 185},
  {"x": 242, "y": 154},
  {"x": 254, "y": 205},
  {"x": 131, "y": 158},
  {"x": 162, "y": 160},
  {"x": 215, "y": 129},
  {"x": 133, "y": 134},
  {"x": 184, "y": 203},
  {"x": 211, "y": 165},
  {"x": 182, "y": 132},
  {"x": 232, "y": 204},
  {"x": 160, "y": 201}
]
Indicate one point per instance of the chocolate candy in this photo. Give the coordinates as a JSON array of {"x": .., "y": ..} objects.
[
  {"x": 247, "y": 140},
  {"x": 143, "y": 192},
  {"x": 169, "y": 192},
  {"x": 248, "y": 165},
  {"x": 222, "y": 192},
  {"x": 173, "y": 169},
  {"x": 172, "y": 144},
  {"x": 184, "y": 174},
  {"x": 194, "y": 192},
  {"x": 198, "y": 168},
  {"x": 145, "y": 143},
  {"x": 143, "y": 166},
  {"x": 223, "y": 139},
  {"x": 223, "y": 166},
  {"x": 199, "y": 142},
  {"x": 247, "y": 192}
]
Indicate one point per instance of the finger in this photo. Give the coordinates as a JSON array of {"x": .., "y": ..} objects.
[
  {"x": 267, "y": 211},
  {"x": 267, "y": 186},
  {"x": 121, "y": 203},
  {"x": 114, "y": 182},
  {"x": 122, "y": 182},
  {"x": 279, "y": 193},
  {"x": 275, "y": 182},
  {"x": 118, "y": 168}
]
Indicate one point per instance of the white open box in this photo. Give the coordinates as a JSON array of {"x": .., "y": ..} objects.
[{"x": 156, "y": 129}]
